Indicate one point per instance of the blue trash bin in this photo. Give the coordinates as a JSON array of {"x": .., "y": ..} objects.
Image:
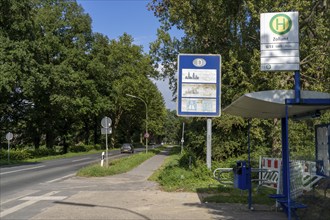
[{"x": 242, "y": 176}]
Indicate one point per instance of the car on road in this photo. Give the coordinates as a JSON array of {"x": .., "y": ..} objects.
[{"x": 127, "y": 148}]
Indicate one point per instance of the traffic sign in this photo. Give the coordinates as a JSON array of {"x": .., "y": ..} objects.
[
  {"x": 199, "y": 85},
  {"x": 9, "y": 136},
  {"x": 106, "y": 130},
  {"x": 106, "y": 122},
  {"x": 146, "y": 135},
  {"x": 279, "y": 43}
]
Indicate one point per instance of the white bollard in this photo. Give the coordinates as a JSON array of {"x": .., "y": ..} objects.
[{"x": 102, "y": 159}]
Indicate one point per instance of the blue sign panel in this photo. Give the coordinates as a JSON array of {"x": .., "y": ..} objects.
[{"x": 199, "y": 86}]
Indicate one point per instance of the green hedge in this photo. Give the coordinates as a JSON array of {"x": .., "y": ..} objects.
[
  {"x": 84, "y": 148},
  {"x": 16, "y": 154},
  {"x": 28, "y": 153},
  {"x": 42, "y": 152}
]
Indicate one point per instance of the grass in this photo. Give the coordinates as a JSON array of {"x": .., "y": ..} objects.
[
  {"x": 176, "y": 176},
  {"x": 317, "y": 206},
  {"x": 229, "y": 194},
  {"x": 117, "y": 166},
  {"x": 67, "y": 155},
  {"x": 4, "y": 161}
]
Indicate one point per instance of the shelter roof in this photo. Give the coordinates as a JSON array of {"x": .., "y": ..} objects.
[{"x": 271, "y": 104}]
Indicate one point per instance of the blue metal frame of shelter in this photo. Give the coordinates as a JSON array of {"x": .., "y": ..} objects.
[{"x": 285, "y": 137}]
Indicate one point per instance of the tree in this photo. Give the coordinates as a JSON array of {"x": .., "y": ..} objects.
[
  {"x": 63, "y": 35},
  {"x": 118, "y": 68},
  {"x": 231, "y": 28},
  {"x": 58, "y": 79},
  {"x": 16, "y": 61}
]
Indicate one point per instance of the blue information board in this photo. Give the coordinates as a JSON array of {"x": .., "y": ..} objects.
[{"x": 199, "y": 85}]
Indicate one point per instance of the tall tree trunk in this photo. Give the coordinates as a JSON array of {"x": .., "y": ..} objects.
[
  {"x": 95, "y": 131},
  {"x": 50, "y": 139},
  {"x": 65, "y": 145},
  {"x": 87, "y": 131},
  {"x": 36, "y": 138},
  {"x": 115, "y": 126}
]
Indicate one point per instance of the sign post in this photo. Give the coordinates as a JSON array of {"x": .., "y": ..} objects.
[
  {"x": 106, "y": 124},
  {"x": 199, "y": 89},
  {"x": 9, "y": 137},
  {"x": 279, "y": 47},
  {"x": 279, "y": 33},
  {"x": 182, "y": 139},
  {"x": 209, "y": 143}
]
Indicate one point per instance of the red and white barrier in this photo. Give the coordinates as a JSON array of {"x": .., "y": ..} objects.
[{"x": 302, "y": 173}]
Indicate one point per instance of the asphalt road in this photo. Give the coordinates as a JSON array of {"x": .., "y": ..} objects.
[{"x": 14, "y": 179}]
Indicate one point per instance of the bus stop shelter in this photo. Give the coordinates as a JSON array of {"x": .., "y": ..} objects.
[{"x": 281, "y": 104}]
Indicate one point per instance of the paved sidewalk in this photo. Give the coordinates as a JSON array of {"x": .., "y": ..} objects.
[{"x": 132, "y": 196}]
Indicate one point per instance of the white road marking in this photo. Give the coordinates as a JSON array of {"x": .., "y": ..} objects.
[
  {"x": 19, "y": 195},
  {"x": 81, "y": 159},
  {"x": 31, "y": 200},
  {"x": 15, "y": 171},
  {"x": 43, "y": 198},
  {"x": 63, "y": 177}
]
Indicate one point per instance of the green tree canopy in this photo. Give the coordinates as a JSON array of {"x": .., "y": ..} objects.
[
  {"x": 59, "y": 79},
  {"x": 231, "y": 28}
]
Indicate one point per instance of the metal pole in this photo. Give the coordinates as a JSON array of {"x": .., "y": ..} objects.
[
  {"x": 182, "y": 139},
  {"x": 146, "y": 126},
  {"x": 106, "y": 145},
  {"x": 297, "y": 86},
  {"x": 8, "y": 150},
  {"x": 249, "y": 162},
  {"x": 208, "y": 143},
  {"x": 133, "y": 96},
  {"x": 287, "y": 162}
]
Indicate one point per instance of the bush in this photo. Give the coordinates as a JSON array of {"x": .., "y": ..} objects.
[
  {"x": 3, "y": 154},
  {"x": 42, "y": 152},
  {"x": 78, "y": 148},
  {"x": 17, "y": 154},
  {"x": 92, "y": 147},
  {"x": 97, "y": 147},
  {"x": 187, "y": 160},
  {"x": 84, "y": 148},
  {"x": 176, "y": 175}
]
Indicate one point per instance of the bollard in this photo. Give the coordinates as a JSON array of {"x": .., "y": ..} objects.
[{"x": 102, "y": 159}]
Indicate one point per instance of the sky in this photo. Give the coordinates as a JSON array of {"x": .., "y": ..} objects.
[{"x": 115, "y": 17}]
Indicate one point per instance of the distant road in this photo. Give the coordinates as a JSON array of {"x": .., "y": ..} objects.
[{"x": 14, "y": 179}]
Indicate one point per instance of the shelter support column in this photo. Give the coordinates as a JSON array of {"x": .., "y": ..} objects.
[{"x": 286, "y": 160}]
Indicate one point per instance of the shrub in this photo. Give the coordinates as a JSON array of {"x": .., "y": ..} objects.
[
  {"x": 3, "y": 154},
  {"x": 187, "y": 160},
  {"x": 97, "y": 147},
  {"x": 78, "y": 148},
  {"x": 42, "y": 152},
  {"x": 92, "y": 147},
  {"x": 84, "y": 148},
  {"x": 17, "y": 154}
]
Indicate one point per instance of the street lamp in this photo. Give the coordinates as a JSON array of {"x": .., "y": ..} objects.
[{"x": 146, "y": 134}]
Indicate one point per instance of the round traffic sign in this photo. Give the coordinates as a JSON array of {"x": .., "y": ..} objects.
[
  {"x": 146, "y": 135},
  {"x": 106, "y": 122},
  {"x": 9, "y": 136}
]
